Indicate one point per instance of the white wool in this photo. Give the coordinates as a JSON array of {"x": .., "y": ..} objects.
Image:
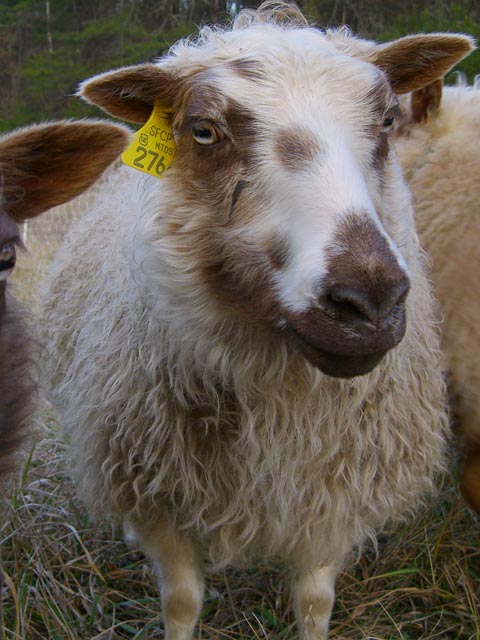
[{"x": 441, "y": 160}]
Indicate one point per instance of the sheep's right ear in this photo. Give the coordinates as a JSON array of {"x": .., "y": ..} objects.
[
  {"x": 425, "y": 102},
  {"x": 131, "y": 92}
]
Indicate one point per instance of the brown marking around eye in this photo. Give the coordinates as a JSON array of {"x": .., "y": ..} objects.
[
  {"x": 295, "y": 148},
  {"x": 200, "y": 165}
]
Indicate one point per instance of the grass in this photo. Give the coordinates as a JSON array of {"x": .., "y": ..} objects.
[{"x": 69, "y": 579}]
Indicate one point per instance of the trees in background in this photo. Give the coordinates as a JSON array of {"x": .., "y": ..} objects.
[{"x": 48, "y": 46}]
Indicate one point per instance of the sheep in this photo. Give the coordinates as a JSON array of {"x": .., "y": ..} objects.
[
  {"x": 438, "y": 147},
  {"x": 40, "y": 166},
  {"x": 233, "y": 353}
]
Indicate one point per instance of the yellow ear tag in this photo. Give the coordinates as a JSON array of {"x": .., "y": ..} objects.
[{"x": 153, "y": 145}]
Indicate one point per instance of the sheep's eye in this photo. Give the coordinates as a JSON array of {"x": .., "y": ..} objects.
[
  {"x": 206, "y": 133},
  {"x": 7, "y": 259},
  {"x": 388, "y": 121}
]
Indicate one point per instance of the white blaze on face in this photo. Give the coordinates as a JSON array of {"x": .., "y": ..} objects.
[
  {"x": 312, "y": 205},
  {"x": 309, "y": 207},
  {"x": 328, "y": 101}
]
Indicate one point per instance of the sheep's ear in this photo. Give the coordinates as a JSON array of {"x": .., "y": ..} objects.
[
  {"x": 46, "y": 165},
  {"x": 425, "y": 102},
  {"x": 131, "y": 92},
  {"x": 415, "y": 61}
]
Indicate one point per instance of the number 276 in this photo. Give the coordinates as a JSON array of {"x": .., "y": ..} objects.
[{"x": 159, "y": 166}]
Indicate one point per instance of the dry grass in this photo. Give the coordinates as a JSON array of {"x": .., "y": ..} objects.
[{"x": 68, "y": 579}]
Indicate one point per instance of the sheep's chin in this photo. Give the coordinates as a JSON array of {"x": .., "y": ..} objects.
[
  {"x": 345, "y": 366},
  {"x": 334, "y": 364}
]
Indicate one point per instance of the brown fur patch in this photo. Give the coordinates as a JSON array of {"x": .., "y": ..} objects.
[
  {"x": 364, "y": 279},
  {"x": 174, "y": 227},
  {"x": 239, "y": 279},
  {"x": 210, "y": 167},
  {"x": 362, "y": 257},
  {"x": 383, "y": 103},
  {"x": 295, "y": 147},
  {"x": 44, "y": 166},
  {"x": 426, "y": 101},
  {"x": 277, "y": 251},
  {"x": 381, "y": 153}
]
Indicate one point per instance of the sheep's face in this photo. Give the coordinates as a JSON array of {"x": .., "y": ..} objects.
[
  {"x": 283, "y": 158},
  {"x": 289, "y": 175}
]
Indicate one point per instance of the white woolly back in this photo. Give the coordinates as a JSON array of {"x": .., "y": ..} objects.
[
  {"x": 459, "y": 109},
  {"x": 441, "y": 160},
  {"x": 457, "y": 119}
]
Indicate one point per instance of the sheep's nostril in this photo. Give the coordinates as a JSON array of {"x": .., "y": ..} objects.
[
  {"x": 372, "y": 305},
  {"x": 344, "y": 301}
]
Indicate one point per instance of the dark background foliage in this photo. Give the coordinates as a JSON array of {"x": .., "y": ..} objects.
[{"x": 48, "y": 46}]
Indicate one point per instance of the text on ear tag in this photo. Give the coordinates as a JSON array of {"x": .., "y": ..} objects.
[{"x": 153, "y": 145}]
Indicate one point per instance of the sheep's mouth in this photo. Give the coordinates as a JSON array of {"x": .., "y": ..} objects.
[{"x": 336, "y": 365}]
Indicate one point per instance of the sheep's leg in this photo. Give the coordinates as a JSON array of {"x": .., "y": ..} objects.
[
  {"x": 180, "y": 577},
  {"x": 313, "y": 597}
]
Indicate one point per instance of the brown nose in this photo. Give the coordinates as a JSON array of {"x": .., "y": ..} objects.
[
  {"x": 360, "y": 302},
  {"x": 366, "y": 286}
]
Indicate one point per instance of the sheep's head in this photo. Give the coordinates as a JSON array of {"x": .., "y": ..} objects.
[{"x": 283, "y": 158}]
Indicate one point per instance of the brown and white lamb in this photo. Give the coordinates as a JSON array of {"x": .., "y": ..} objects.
[
  {"x": 438, "y": 145},
  {"x": 243, "y": 352}
]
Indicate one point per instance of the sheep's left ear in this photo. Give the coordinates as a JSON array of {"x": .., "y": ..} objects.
[
  {"x": 130, "y": 93},
  {"x": 43, "y": 166},
  {"x": 415, "y": 61}
]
